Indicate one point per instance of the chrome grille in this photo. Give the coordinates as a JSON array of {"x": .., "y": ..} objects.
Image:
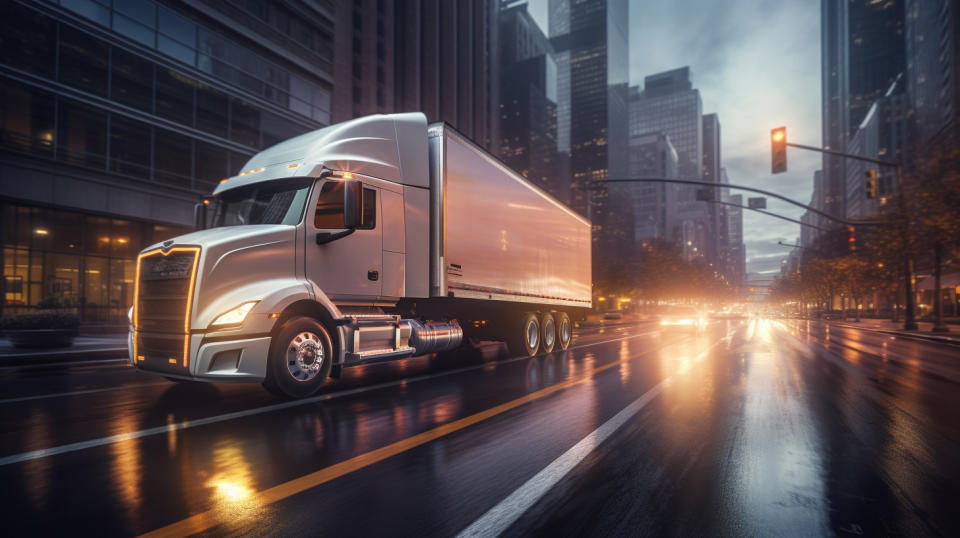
[{"x": 163, "y": 291}]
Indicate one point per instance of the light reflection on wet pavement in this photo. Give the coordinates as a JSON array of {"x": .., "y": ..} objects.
[{"x": 781, "y": 428}]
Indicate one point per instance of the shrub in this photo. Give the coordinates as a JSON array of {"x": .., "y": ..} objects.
[
  {"x": 49, "y": 303},
  {"x": 43, "y": 320}
]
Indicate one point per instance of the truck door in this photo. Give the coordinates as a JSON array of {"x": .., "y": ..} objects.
[{"x": 351, "y": 266}]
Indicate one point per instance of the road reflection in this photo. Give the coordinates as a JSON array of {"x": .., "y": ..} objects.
[{"x": 778, "y": 480}]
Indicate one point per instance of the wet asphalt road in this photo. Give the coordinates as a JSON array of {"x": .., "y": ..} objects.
[{"x": 749, "y": 428}]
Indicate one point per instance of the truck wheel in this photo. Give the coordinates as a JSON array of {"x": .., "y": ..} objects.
[
  {"x": 300, "y": 358},
  {"x": 564, "y": 330},
  {"x": 548, "y": 332},
  {"x": 526, "y": 335}
]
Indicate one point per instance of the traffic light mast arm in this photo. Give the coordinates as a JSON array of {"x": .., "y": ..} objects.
[
  {"x": 742, "y": 188},
  {"x": 846, "y": 155},
  {"x": 769, "y": 214}
]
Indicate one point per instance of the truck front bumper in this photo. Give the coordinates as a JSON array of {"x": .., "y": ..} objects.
[{"x": 240, "y": 359}]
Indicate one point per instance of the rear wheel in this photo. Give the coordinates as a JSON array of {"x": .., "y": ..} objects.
[
  {"x": 548, "y": 332},
  {"x": 564, "y": 330},
  {"x": 300, "y": 358},
  {"x": 525, "y": 335}
]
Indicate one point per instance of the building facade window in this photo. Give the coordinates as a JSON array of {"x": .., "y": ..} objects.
[{"x": 85, "y": 262}]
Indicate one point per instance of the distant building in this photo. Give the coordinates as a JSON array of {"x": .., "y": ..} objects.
[
  {"x": 669, "y": 104},
  {"x": 643, "y": 206},
  {"x": 738, "y": 251},
  {"x": 933, "y": 73},
  {"x": 119, "y": 116},
  {"x": 862, "y": 51},
  {"x": 590, "y": 41},
  {"x": 528, "y": 103},
  {"x": 882, "y": 134},
  {"x": 446, "y": 64},
  {"x": 711, "y": 173}
]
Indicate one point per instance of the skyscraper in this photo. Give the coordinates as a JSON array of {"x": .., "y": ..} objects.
[
  {"x": 118, "y": 116},
  {"x": 881, "y": 134},
  {"x": 528, "y": 103},
  {"x": 669, "y": 104},
  {"x": 590, "y": 39},
  {"x": 933, "y": 71},
  {"x": 862, "y": 53},
  {"x": 711, "y": 173},
  {"x": 363, "y": 59},
  {"x": 447, "y": 64},
  {"x": 651, "y": 155}
]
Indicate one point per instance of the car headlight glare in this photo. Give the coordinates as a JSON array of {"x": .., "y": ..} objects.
[{"x": 234, "y": 316}]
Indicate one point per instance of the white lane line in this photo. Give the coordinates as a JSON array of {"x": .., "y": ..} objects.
[
  {"x": 186, "y": 424},
  {"x": 499, "y": 518},
  {"x": 79, "y": 392},
  {"x": 66, "y": 363}
]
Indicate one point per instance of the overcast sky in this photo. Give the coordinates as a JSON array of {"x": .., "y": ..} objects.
[{"x": 757, "y": 65}]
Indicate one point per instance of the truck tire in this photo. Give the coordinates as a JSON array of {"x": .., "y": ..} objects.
[
  {"x": 564, "y": 330},
  {"x": 525, "y": 337},
  {"x": 548, "y": 332},
  {"x": 300, "y": 358}
]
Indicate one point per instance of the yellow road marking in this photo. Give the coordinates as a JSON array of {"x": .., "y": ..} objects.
[{"x": 200, "y": 522}]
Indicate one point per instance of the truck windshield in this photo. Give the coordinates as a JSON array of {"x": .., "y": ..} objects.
[{"x": 269, "y": 202}]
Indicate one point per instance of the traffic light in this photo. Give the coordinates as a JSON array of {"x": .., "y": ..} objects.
[
  {"x": 778, "y": 150},
  {"x": 757, "y": 203},
  {"x": 871, "y": 185},
  {"x": 852, "y": 238}
]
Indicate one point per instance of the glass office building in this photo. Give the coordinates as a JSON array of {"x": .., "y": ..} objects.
[{"x": 118, "y": 115}]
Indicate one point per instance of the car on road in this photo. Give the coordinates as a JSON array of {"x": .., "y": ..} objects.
[
  {"x": 613, "y": 316},
  {"x": 678, "y": 317}
]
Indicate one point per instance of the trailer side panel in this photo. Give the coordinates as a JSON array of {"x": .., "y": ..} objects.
[{"x": 501, "y": 238}]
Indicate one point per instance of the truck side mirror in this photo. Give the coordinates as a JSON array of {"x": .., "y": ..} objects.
[
  {"x": 352, "y": 204},
  {"x": 200, "y": 216}
]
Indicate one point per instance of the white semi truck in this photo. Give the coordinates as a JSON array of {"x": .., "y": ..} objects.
[{"x": 377, "y": 238}]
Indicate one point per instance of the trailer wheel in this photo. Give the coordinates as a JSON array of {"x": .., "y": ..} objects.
[
  {"x": 525, "y": 339},
  {"x": 564, "y": 330},
  {"x": 300, "y": 358},
  {"x": 548, "y": 332}
]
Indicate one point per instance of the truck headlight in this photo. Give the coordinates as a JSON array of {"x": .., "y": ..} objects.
[{"x": 234, "y": 316}]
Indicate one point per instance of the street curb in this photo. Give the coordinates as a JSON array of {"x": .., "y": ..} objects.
[
  {"x": 902, "y": 334},
  {"x": 38, "y": 358}
]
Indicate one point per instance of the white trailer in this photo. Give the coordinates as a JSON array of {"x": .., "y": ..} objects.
[{"x": 373, "y": 239}]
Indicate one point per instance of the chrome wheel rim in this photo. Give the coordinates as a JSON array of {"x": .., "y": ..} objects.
[
  {"x": 305, "y": 356},
  {"x": 565, "y": 331},
  {"x": 533, "y": 335},
  {"x": 549, "y": 334}
]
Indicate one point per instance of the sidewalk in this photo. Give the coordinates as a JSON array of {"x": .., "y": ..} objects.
[
  {"x": 885, "y": 325},
  {"x": 85, "y": 347}
]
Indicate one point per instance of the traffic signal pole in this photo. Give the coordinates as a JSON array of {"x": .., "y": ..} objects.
[
  {"x": 597, "y": 183},
  {"x": 909, "y": 322}
]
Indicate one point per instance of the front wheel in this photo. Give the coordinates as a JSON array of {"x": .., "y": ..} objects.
[{"x": 300, "y": 358}]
